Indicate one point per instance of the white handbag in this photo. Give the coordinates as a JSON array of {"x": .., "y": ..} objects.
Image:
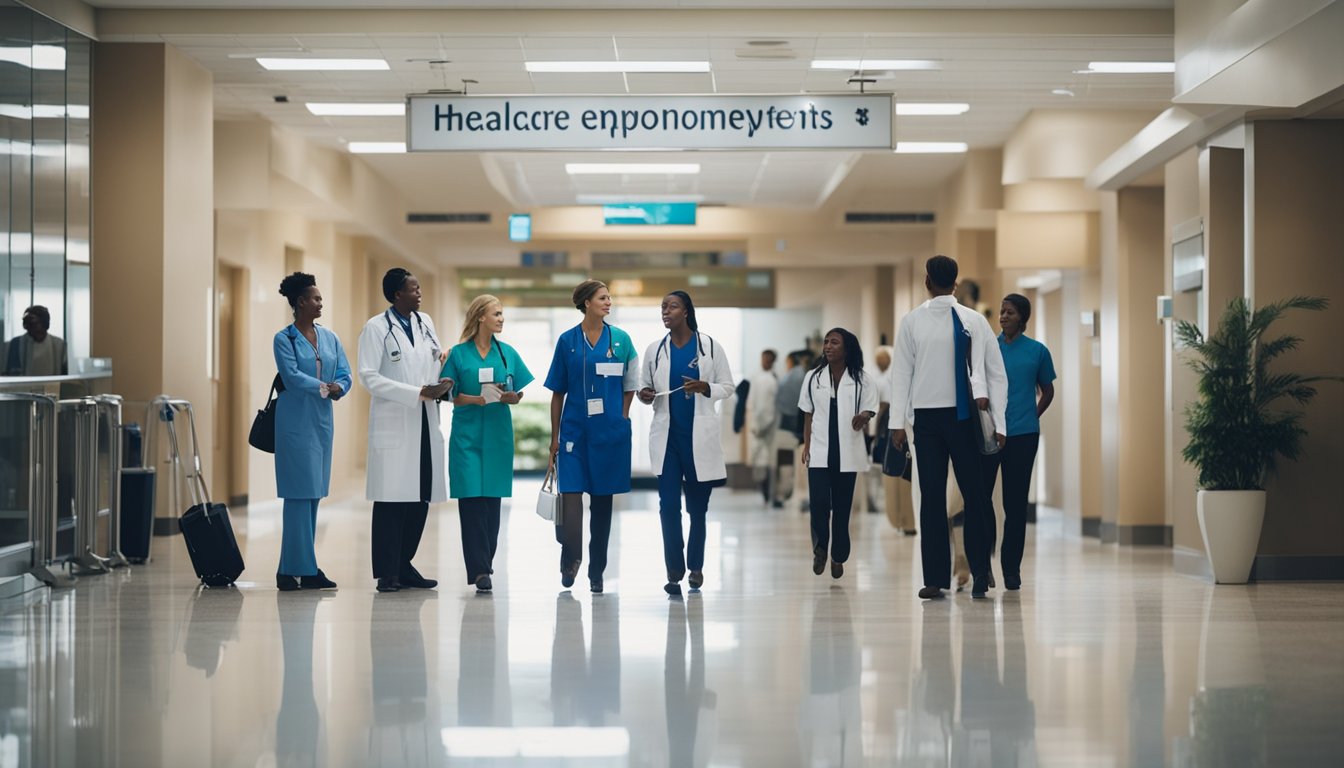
[{"x": 548, "y": 501}]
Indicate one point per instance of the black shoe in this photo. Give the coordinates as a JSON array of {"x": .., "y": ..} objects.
[
  {"x": 696, "y": 580},
  {"x": 837, "y": 570},
  {"x": 483, "y": 583},
  {"x": 980, "y": 589},
  {"x": 567, "y": 576},
  {"x": 388, "y": 585},
  {"x": 1012, "y": 582},
  {"x": 777, "y": 504},
  {"x": 909, "y": 531},
  {"x": 930, "y": 593},
  {"x": 286, "y": 583},
  {"x": 671, "y": 588},
  {"x": 992, "y": 584},
  {"x": 595, "y": 585},
  {"x": 320, "y": 581},
  {"x": 818, "y": 562},
  {"x": 417, "y": 582}
]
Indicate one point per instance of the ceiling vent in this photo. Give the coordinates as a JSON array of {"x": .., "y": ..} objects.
[
  {"x": 447, "y": 218},
  {"x": 888, "y": 217},
  {"x": 766, "y": 50}
]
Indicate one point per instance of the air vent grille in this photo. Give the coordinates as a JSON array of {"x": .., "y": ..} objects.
[
  {"x": 447, "y": 218},
  {"x": 888, "y": 217}
]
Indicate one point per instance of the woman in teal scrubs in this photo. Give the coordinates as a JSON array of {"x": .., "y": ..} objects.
[
  {"x": 593, "y": 378},
  {"x": 313, "y": 368},
  {"x": 490, "y": 377}
]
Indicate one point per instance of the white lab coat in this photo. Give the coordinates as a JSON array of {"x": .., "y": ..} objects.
[
  {"x": 762, "y": 418},
  {"x": 393, "y": 370},
  {"x": 853, "y": 454},
  {"x": 712, "y": 364}
]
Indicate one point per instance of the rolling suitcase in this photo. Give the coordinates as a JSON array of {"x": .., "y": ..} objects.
[{"x": 205, "y": 526}]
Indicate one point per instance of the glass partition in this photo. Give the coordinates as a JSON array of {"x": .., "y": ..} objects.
[{"x": 45, "y": 83}]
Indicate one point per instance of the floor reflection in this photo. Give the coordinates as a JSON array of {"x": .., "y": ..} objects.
[
  {"x": 832, "y": 718},
  {"x": 483, "y": 694},
  {"x": 298, "y": 723},
  {"x": 691, "y": 710},
  {"x": 402, "y": 733},
  {"x": 998, "y": 720}
]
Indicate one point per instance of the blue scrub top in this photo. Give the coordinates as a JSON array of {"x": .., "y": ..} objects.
[
  {"x": 681, "y": 405},
  {"x": 1028, "y": 364},
  {"x": 304, "y": 428},
  {"x": 594, "y": 450}
]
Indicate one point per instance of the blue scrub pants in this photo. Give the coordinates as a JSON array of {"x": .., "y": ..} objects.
[
  {"x": 297, "y": 554},
  {"x": 678, "y": 475}
]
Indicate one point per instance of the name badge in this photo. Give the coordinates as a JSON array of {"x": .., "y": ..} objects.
[
  {"x": 611, "y": 369},
  {"x": 595, "y": 407},
  {"x": 485, "y": 375}
]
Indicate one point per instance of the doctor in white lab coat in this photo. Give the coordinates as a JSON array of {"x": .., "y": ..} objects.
[
  {"x": 399, "y": 363},
  {"x": 683, "y": 377},
  {"x": 838, "y": 401}
]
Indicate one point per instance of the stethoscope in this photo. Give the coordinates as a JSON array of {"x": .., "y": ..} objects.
[
  {"x": 424, "y": 331},
  {"x": 508, "y": 377},
  {"x": 663, "y": 346},
  {"x": 606, "y": 329},
  {"x": 816, "y": 376}
]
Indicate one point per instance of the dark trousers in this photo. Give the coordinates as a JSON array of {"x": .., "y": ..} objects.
[
  {"x": 479, "y": 517},
  {"x": 1017, "y": 460},
  {"x": 939, "y": 436},
  {"x": 830, "y": 496},
  {"x": 398, "y": 525},
  {"x": 570, "y": 532},
  {"x": 678, "y": 475}
]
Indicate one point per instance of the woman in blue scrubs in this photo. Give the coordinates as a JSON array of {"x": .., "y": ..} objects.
[
  {"x": 1030, "y": 370},
  {"x": 684, "y": 445},
  {"x": 593, "y": 378},
  {"x": 313, "y": 368}
]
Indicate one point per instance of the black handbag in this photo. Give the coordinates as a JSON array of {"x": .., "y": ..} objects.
[
  {"x": 262, "y": 436},
  {"x": 896, "y": 463}
]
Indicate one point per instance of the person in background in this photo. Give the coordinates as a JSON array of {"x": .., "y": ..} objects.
[
  {"x": 593, "y": 377},
  {"x": 838, "y": 401},
  {"x": 790, "y": 432},
  {"x": 762, "y": 423},
  {"x": 312, "y": 365},
  {"x": 37, "y": 352},
  {"x": 490, "y": 378},
  {"x": 684, "y": 445},
  {"x": 1030, "y": 371},
  {"x": 936, "y": 343},
  {"x": 399, "y": 361}
]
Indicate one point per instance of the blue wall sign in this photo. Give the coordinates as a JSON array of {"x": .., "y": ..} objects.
[
  {"x": 657, "y": 214},
  {"x": 520, "y": 227}
]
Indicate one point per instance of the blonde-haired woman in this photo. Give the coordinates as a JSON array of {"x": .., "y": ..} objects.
[{"x": 490, "y": 377}]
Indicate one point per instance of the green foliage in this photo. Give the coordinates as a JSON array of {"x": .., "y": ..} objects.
[
  {"x": 1236, "y": 434},
  {"x": 531, "y": 434}
]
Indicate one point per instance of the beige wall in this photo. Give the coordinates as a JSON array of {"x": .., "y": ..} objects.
[
  {"x": 153, "y": 263},
  {"x": 1182, "y": 202},
  {"x": 1295, "y": 171}
]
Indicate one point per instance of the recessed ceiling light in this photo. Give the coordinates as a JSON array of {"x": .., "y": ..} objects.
[
  {"x": 1129, "y": 67},
  {"x": 617, "y": 199},
  {"x": 330, "y": 65},
  {"x": 327, "y": 109},
  {"x": 617, "y": 66},
  {"x": 1062, "y": 92},
  {"x": 929, "y": 147},
  {"x": 377, "y": 147},
  {"x": 875, "y": 64},
  {"x": 576, "y": 169},
  {"x": 915, "y": 108}
]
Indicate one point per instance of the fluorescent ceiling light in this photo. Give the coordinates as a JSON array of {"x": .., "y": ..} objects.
[
  {"x": 392, "y": 109},
  {"x": 559, "y": 742},
  {"x": 330, "y": 65},
  {"x": 875, "y": 64},
  {"x": 929, "y": 147},
  {"x": 377, "y": 147},
  {"x": 914, "y": 108},
  {"x": 575, "y": 169},
  {"x": 1062, "y": 92},
  {"x": 25, "y": 112},
  {"x": 34, "y": 56},
  {"x": 618, "y": 199},
  {"x": 617, "y": 66},
  {"x": 1130, "y": 67}
]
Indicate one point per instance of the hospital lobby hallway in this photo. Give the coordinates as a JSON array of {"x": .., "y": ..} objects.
[{"x": 1106, "y": 657}]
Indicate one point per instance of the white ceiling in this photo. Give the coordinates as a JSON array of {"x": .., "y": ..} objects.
[{"x": 1001, "y": 76}]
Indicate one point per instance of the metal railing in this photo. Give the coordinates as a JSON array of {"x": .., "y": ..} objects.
[{"x": 39, "y": 552}]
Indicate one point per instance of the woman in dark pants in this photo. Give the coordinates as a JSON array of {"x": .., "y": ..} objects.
[
  {"x": 1030, "y": 370},
  {"x": 838, "y": 400}
]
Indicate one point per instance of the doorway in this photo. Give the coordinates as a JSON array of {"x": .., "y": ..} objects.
[{"x": 230, "y": 385}]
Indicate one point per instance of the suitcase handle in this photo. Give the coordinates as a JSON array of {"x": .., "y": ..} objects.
[{"x": 200, "y": 493}]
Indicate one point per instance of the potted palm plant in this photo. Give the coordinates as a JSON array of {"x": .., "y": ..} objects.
[{"x": 1237, "y": 431}]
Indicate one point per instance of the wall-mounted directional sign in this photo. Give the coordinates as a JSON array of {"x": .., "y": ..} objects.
[{"x": 658, "y": 214}]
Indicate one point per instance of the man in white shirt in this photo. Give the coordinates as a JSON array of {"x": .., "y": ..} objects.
[
  {"x": 763, "y": 422},
  {"x": 935, "y": 395}
]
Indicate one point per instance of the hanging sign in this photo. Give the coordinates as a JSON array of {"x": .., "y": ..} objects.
[{"x": 648, "y": 122}]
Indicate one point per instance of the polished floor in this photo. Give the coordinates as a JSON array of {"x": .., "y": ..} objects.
[{"x": 1105, "y": 658}]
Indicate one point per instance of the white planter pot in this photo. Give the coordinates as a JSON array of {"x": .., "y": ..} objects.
[{"x": 1230, "y": 523}]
